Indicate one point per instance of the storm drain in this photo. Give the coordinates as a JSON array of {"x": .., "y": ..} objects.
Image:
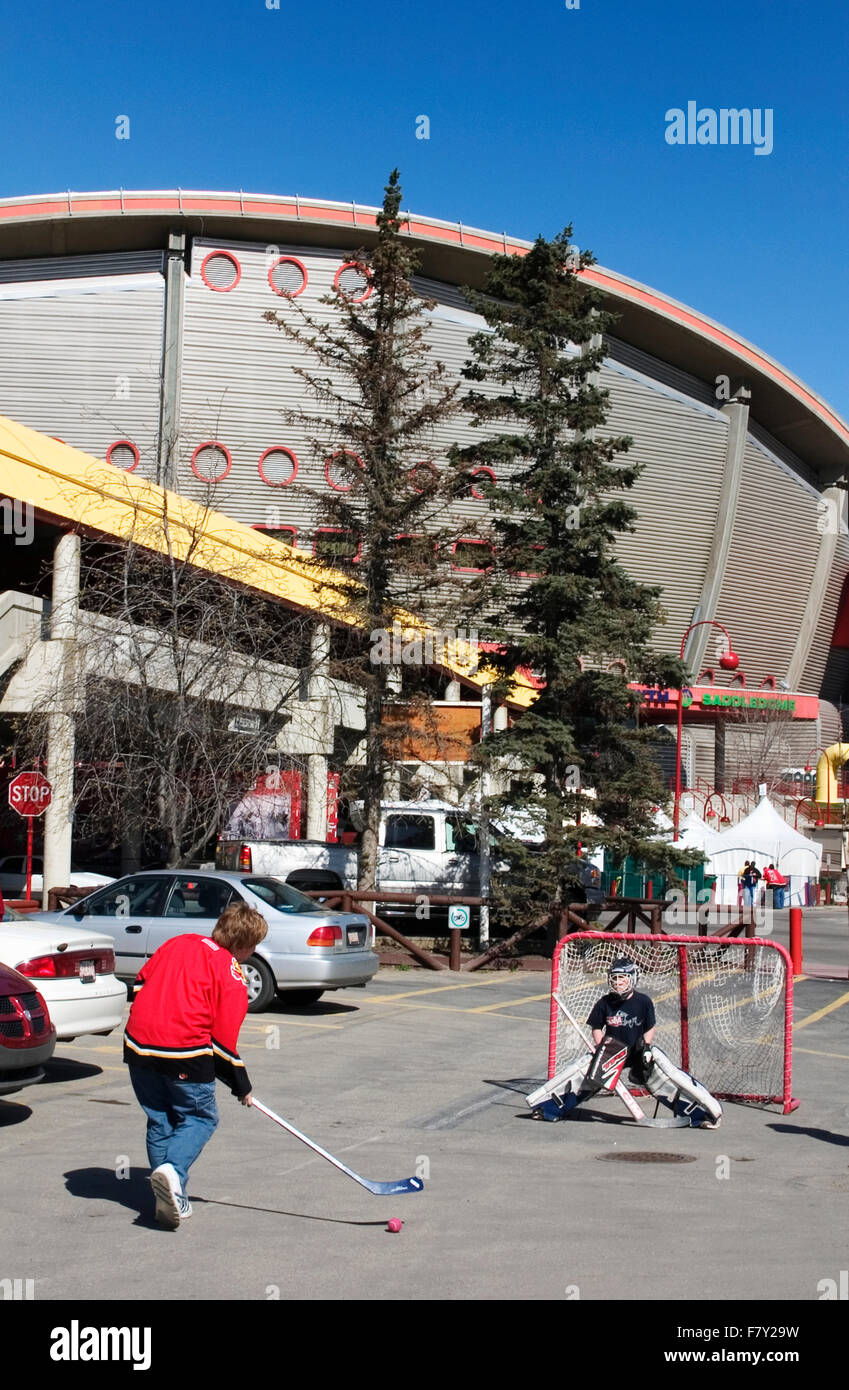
[{"x": 646, "y": 1157}]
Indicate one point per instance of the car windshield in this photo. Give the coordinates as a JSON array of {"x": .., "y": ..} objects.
[
  {"x": 12, "y": 914},
  {"x": 281, "y": 896}
]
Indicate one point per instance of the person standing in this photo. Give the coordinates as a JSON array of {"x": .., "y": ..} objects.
[{"x": 182, "y": 1033}]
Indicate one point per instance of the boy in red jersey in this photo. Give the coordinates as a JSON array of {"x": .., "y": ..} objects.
[{"x": 189, "y": 1003}]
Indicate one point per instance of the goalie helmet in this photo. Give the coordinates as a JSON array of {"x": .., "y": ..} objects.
[{"x": 625, "y": 967}]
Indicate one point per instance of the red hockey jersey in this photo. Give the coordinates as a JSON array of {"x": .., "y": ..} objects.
[{"x": 190, "y": 1002}]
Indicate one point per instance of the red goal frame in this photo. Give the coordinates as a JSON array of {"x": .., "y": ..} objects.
[{"x": 746, "y": 945}]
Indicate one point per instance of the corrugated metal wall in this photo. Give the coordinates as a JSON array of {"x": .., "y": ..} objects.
[
  {"x": 682, "y": 446},
  {"x": 770, "y": 565},
  {"x": 825, "y": 669},
  {"x": 81, "y": 349},
  {"x": 80, "y": 358}
]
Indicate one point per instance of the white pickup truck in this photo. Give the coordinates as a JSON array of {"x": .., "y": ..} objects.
[{"x": 426, "y": 848}]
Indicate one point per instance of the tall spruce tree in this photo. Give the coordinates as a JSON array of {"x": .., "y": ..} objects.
[
  {"x": 557, "y": 601},
  {"x": 381, "y": 396}
]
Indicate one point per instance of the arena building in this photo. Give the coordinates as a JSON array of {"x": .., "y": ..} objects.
[{"x": 131, "y": 327}]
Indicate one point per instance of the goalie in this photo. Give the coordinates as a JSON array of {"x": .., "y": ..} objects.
[{"x": 623, "y": 1027}]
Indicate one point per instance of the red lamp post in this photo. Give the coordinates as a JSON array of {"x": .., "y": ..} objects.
[{"x": 729, "y": 661}]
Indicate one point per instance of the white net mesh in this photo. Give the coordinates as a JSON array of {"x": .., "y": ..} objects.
[{"x": 721, "y": 1005}]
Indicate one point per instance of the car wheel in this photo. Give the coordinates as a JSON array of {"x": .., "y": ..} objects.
[
  {"x": 260, "y": 982},
  {"x": 303, "y": 996}
]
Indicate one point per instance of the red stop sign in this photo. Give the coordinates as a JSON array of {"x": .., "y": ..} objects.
[{"x": 30, "y": 793}]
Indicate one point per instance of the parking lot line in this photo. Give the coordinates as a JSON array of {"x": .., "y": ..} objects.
[
  {"x": 292, "y": 1023},
  {"x": 821, "y": 1013},
  {"x": 812, "y": 1052},
  {"x": 432, "y": 989},
  {"x": 509, "y": 1003}
]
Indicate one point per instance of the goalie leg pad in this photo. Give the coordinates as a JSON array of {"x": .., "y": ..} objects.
[
  {"x": 569, "y": 1079},
  {"x": 682, "y": 1092}
]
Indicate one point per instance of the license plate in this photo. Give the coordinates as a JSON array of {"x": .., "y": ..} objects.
[
  {"x": 87, "y": 972},
  {"x": 356, "y": 936}
]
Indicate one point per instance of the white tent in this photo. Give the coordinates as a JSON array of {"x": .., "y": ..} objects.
[
  {"x": 693, "y": 832},
  {"x": 765, "y": 837}
]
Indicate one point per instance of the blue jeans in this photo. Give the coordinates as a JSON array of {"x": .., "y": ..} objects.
[
  {"x": 778, "y": 896},
  {"x": 181, "y": 1117}
]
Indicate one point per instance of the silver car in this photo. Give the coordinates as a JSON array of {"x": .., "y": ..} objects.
[{"x": 307, "y": 950}]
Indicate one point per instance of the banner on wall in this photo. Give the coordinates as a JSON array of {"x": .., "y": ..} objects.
[
  {"x": 332, "y": 808},
  {"x": 271, "y": 810}
]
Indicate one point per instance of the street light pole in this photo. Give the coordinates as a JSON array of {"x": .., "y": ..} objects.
[{"x": 729, "y": 661}]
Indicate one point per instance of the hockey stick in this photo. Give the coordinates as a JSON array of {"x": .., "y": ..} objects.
[
  {"x": 380, "y": 1189},
  {"x": 620, "y": 1090}
]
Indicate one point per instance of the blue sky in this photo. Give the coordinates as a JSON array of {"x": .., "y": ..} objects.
[{"x": 539, "y": 115}]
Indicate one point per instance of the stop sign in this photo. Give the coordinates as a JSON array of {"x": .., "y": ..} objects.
[{"x": 30, "y": 793}]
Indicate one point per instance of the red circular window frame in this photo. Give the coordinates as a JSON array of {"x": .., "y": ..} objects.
[
  {"x": 431, "y": 468},
  {"x": 212, "y": 444},
  {"x": 290, "y": 260},
  {"x": 341, "y": 453},
  {"x": 353, "y": 265},
  {"x": 128, "y": 444},
  {"x": 278, "y": 449},
  {"x": 482, "y": 469},
  {"x": 220, "y": 289}
]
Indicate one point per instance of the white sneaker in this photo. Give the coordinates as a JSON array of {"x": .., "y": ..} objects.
[
  {"x": 185, "y": 1208},
  {"x": 168, "y": 1194}
]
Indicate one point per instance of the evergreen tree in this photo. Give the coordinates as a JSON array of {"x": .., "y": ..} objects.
[
  {"x": 575, "y": 620},
  {"x": 381, "y": 397}
]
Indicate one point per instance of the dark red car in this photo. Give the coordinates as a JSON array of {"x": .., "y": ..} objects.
[{"x": 27, "y": 1037}]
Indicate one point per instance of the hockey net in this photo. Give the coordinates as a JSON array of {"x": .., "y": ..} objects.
[{"x": 724, "y": 1007}]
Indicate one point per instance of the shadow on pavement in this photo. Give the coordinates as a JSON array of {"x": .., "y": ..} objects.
[
  {"x": 826, "y": 1135},
  {"x": 104, "y": 1185},
  {"x": 66, "y": 1069},
  {"x": 320, "y": 1009},
  {"x": 12, "y": 1113},
  {"x": 275, "y": 1211}
]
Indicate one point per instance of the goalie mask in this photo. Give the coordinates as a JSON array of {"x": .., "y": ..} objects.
[{"x": 623, "y": 976}]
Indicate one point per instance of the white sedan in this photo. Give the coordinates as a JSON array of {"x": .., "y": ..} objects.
[{"x": 73, "y": 971}]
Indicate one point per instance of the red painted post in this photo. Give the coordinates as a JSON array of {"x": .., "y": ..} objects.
[
  {"x": 29, "y": 857},
  {"x": 649, "y": 888},
  {"x": 796, "y": 939}
]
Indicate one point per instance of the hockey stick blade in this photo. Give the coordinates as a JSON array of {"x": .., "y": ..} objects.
[{"x": 380, "y": 1189}]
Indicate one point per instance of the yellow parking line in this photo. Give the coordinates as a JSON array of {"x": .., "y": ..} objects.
[
  {"x": 291, "y": 1023},
  {"x": 509, "y": 1003},
  {"x": 812, "y": 1052},
  {"x": 821, "y": 1013},
  {"x": 434, "y": 989}
]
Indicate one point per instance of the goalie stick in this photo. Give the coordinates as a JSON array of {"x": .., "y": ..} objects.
[{"x": 380, "y": 1189}]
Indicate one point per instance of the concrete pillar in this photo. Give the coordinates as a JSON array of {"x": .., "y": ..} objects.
[
  {"x": 317, "y": 763},
  {"x": 59, "y": 816},
  {"x": 737, "y": 413},
  {"x": 831, "y": 510}
]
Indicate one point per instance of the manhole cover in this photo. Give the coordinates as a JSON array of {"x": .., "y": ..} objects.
[{"x": 646, "y": 1157}]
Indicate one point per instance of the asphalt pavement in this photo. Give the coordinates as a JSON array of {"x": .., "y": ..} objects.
[{"x": 424, "y": 1074}]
